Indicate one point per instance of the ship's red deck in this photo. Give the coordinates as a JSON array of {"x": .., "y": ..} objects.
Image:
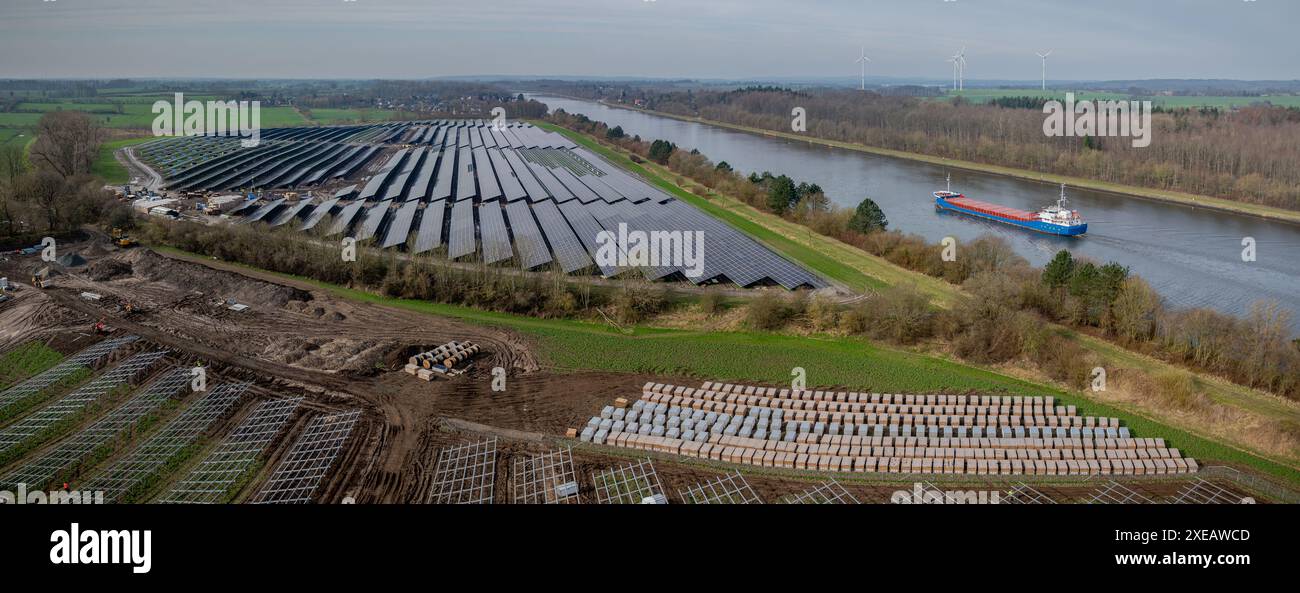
[{"x": 994, "y": 209}]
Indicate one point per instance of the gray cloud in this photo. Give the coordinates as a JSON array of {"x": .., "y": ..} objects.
[{"x": 1099, "y": 39}]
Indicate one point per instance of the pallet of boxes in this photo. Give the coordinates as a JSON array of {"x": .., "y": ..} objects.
[{"x": 450, "y": 359}]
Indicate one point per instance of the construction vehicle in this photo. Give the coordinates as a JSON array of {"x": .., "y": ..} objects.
[
  {"x": 100, "y": 328},
  {"x": 121, "y": 239}
]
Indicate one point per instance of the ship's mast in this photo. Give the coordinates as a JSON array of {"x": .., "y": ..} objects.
[
  {"x": 1061, "y": 203},
  {"x": 950, "y": 183}
]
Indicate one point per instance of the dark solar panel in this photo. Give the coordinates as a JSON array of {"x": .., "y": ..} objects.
[
  {"x": 344, "y": 218},
  {"x": 292, "y": 212},
  {"x": 581, "y": 191},
  {"x": 442, "y": 187},
  {"x": 492, "y": 228},
  {"x": 374, "y": 217},
  {"x": 532, "y": 187},
  {"x": 528, "y": 239},
  {"x": 424, "y": 177},
  {"x": 553, "y": 185},
  {"x": 509, "y": 134},
  {"x": 461, "y": 241},
  {"x": 568, "y": 250},
  {"x": 511, "y": 188},
  {"x": 318, "y": 214},
  {"x": 488, "y": 188},
  {"x": 397, "y": 185},
  {"x": 376, "y": 183},
  {"x": 267, "y": 208},
  {"x": 400, "y": 227},
  {"x": 429, "y": 236},
  {"x": 588, "y": 229},
  {"x": 465, "y": 188}
]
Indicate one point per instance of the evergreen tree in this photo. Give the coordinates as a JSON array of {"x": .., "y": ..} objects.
[
  {"x": 660, "y": 150},
  {"x": 780, "y": 194},
  {"x": 1058, "y": 271},
  {"x": 868, "y": 217}
]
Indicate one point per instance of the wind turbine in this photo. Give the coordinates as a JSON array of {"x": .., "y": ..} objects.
[
  {"x": 1044, "y": 58},
  {"x": 956, "y": 63},
  {"x": 863, "y": 60},
  {"x": 961, "y": 68}
]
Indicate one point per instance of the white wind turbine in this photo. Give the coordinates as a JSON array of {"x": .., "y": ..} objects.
[
  {"x": 863, "y": 60},
  {"x": 1044, "y": 58},
  {"x": 956, "y": 63},
  {"x": 961, "y": 68}
]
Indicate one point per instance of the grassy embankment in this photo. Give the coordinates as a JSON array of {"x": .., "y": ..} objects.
[{"x": 1175, "y": 197}]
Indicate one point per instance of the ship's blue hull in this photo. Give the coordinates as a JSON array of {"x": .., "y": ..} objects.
[{"x": 1033, "y": 225}]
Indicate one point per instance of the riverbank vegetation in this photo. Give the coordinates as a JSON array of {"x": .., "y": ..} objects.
[
  {"x": 1244, "y": 154},
  {"x": 1254, "y": 352}
]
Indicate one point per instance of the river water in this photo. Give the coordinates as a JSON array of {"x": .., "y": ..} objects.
[{"x": 1193, "y": 257}]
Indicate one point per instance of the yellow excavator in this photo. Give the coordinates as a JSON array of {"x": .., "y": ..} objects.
[{"x": 121, "y": 239}]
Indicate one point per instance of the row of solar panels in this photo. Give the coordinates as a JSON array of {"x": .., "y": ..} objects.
[
  {"x": 537, "y": 234},
  {"x": 298, "y": 157},
  {"x": 512, "y": 193}
]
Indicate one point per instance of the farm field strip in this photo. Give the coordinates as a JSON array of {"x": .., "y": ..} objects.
[
  {"x": 67, "y": 406},
  {"x": 301, "y": 472},
  {"x": 84, "y": 359},
  {"x": 81, "y": 446},
  {"x": 211, "y": 480},
  {"x": 26, "y": 360},
  {"x": 153, "y": 454}
]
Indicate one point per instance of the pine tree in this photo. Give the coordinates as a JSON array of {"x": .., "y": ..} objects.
[
  {"x": 868, "y": 217},
  {"x": 1059, "y": 270}
]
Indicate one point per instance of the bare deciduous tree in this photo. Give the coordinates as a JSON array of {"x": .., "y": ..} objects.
[{"x": 66, "y": 143}]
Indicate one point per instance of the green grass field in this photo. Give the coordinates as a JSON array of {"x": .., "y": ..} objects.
[
  {"x": 329, "y": 117},
  {"x": 26, "y": 360},
  {"x": 106, "y": 164}
]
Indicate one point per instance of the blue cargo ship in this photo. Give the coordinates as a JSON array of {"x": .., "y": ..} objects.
[{"x": 1052, "y": 220}]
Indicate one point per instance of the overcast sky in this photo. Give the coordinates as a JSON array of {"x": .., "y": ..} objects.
[{"x": 1093, "y": 39}]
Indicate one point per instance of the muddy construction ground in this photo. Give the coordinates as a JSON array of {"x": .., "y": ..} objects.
[{"x": 344, "y": 355}]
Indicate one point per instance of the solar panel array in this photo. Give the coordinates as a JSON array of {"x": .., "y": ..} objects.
[
  {"x": 312, "y": 455},
  {"x": 38, "y": 472},
  {"x": 213, "y": 478},
  {"x": 32, "y": 426},
  {"x": 150, "y": 458},
  {"x": 571, "y": 194},
  {"x": 86, "y": 358}
]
